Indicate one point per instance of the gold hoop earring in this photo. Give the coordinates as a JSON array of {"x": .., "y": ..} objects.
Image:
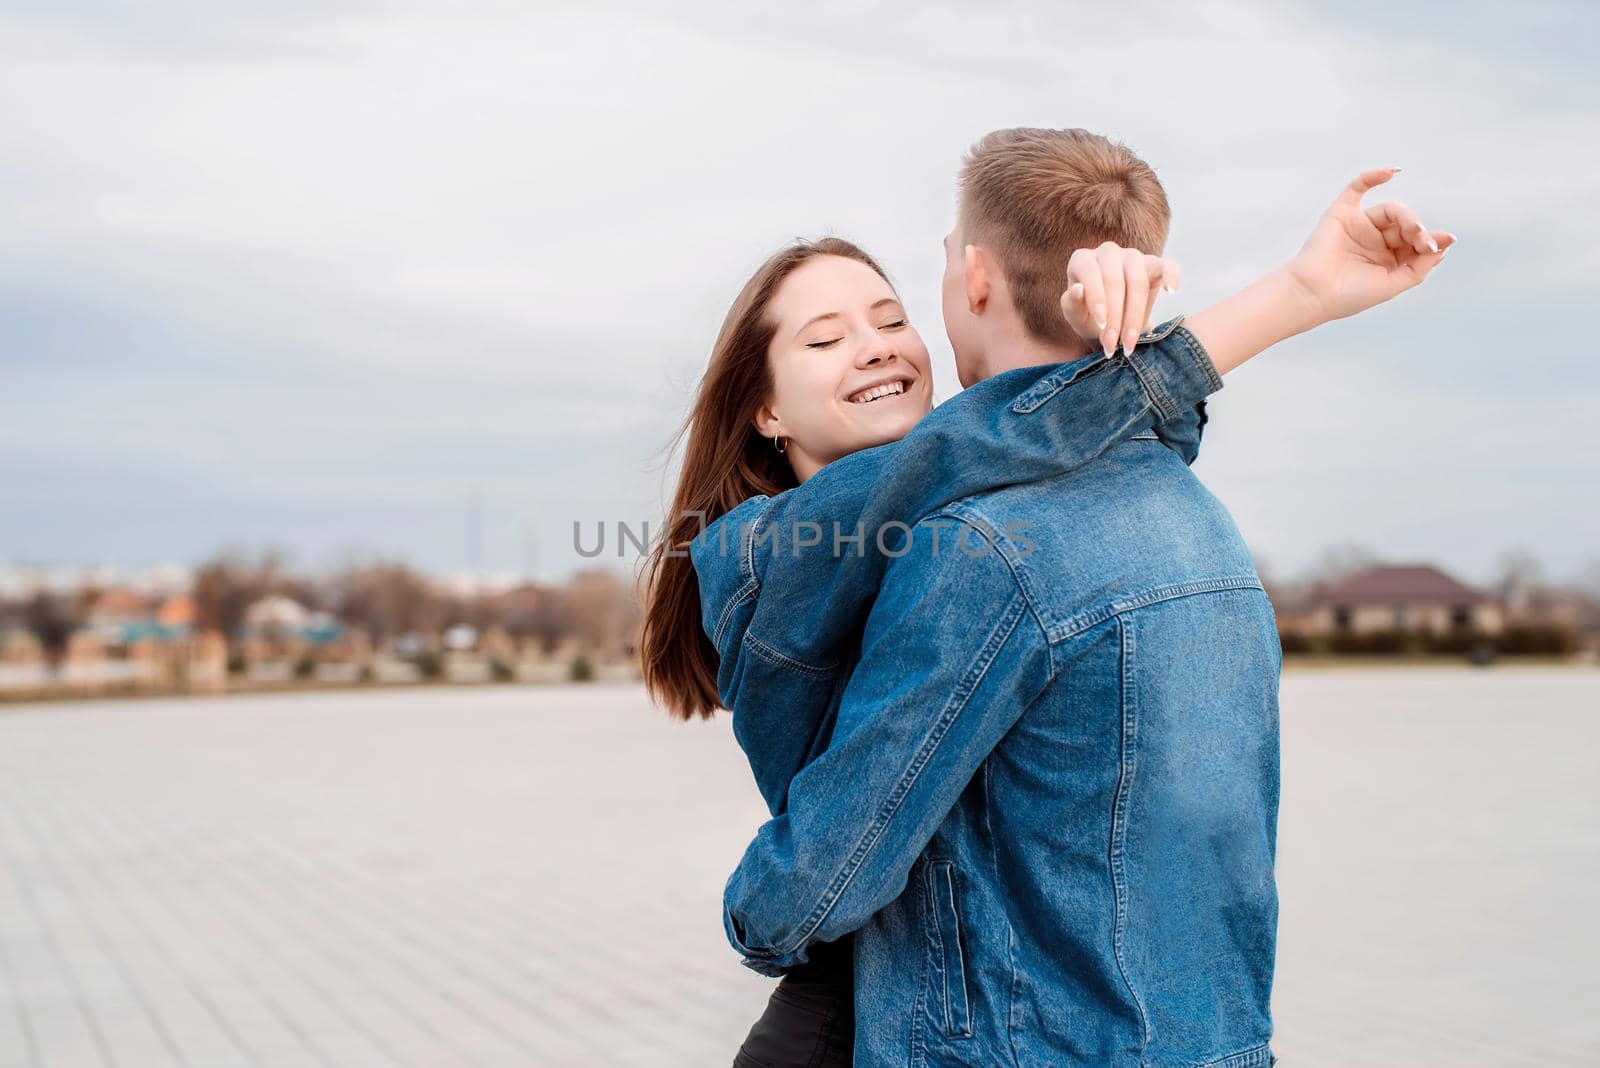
[{"x": 776, "y": 443}]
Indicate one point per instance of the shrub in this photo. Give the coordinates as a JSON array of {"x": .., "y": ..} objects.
[
  {"x": 1460, "y": 643},
  {"x": 1371, "y": 643},
  {"x": 1526, "y": 639},
  {"x": 430, "y": 663},
  {"x": 582, "y": 669},
  {"x": 1294, "y": 644},
  {"x": 1538, "y": 639}
]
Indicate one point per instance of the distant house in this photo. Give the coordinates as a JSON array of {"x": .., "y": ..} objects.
[
  {"x": 1414, "y": 598},
  {"x": 276, "y": 617},
  {"x": 177, "y": 613},
  {"x": 115, "y": 612},
  {"x": 119, "y": 617}
]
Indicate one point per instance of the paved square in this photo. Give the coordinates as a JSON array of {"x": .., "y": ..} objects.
[{"x": 531, "y": 876}]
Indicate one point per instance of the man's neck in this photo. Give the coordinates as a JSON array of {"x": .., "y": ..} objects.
[{"x": 1014, "y": 349}]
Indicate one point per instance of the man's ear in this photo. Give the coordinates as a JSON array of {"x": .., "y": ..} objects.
[
  {"x": 976, "y": 278},
  {"x": 767, "y": 423}
]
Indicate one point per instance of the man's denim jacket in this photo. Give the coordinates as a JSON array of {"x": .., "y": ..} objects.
[{"x": 1045, "y": 795}]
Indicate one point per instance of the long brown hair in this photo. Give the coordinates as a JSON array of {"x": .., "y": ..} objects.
[{"x": 725, "y": 461}]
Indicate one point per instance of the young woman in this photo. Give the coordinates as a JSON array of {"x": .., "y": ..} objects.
[{"x": 815, "y": 365}]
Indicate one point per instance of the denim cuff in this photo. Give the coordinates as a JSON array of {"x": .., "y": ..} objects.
[
  {"x": 756, "y": 960},
  {"x": 1182, "y": 370}
]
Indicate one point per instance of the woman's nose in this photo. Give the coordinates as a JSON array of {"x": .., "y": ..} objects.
[{"x": 876, "y": 353}]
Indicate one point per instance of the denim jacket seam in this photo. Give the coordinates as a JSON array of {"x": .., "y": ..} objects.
[
  {"x": 965, "y": 511},
  {"x": 751, "y": 585},
  {"x": 1127, "y": 771},
  {"x": 748, "y": 554},
  {"x": 930, "y": 925},
  {"x": 1165, "y": 407},
  {"x": 1256, "y": 1056},
  {"x": 994, "y": 875},
  {"x": 1148, "y": 379},
  {"x": 1011, "y": 996},
  {"x": 970, "y": 681},
  {"x": 773, "y": 656},
  {"x": 959, "y": 967},
  {"x": 1100, "y": 613},
  {"x": 1199, "y": 354},
  {"x": 917, "y": 1055},
  {"x": 744, "y": 593}
]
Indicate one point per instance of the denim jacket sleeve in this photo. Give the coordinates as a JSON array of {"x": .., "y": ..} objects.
[
  {"x": 785, "y": 581},
  {"x": 781, "y": 707},
  {"x": 951, "y": 656}
]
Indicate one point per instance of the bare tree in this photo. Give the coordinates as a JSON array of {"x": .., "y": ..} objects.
[
  {"x": 605, "y": 611},
  {"x": 1520, "y": 566},
  {"x": 1588, "y": 579},
  {"x": 1587, "y": 583},
  {"x": 388, "y": 600},
  {"x": 227, "y": 585},
  {"x": 542, "y": 613},
  {"x": 52, "y": 617},
  {"x": 1518, "y": 577},
  {"x": 1339, "y": 562}
]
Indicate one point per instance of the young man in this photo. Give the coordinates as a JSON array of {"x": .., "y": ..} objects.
[{"x": 1062, "y": 729}]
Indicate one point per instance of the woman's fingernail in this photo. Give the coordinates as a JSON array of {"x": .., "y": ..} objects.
[
  {"x": 1434, "y": 245},
  {"x": 1100, "y": 316},
  {"x": 1076, "y": 290},
  {"x": 1167, "y": 289}
]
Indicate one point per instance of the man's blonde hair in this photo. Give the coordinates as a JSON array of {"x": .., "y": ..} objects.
[{"x": 1033, "y": 197}]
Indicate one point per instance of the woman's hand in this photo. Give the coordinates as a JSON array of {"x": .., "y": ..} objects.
[
  {"x": 1110, "y": 293},
  {"x": 1357, "y": 258}
]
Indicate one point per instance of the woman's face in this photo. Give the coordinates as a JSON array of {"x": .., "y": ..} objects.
[{"x": 848, "y": 369}]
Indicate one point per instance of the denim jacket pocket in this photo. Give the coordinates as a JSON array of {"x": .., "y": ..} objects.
[{"x": 947, "y": 1001}]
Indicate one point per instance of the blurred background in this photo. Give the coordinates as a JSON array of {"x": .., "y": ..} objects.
[{"x": 335, "y": 338}]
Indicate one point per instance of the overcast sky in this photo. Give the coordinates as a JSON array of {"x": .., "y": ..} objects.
[{"x": 320, "y": 275}]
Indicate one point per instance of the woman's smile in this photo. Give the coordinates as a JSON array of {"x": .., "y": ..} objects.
[{"x": 898, "y": 385}]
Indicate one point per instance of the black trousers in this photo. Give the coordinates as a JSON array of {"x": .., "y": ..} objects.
[{"x": 806, "y": 1025}]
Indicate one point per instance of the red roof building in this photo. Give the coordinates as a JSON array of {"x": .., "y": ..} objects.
[{"x": 1413, "y": 597}]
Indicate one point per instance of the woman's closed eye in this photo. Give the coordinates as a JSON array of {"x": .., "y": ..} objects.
[{"x": 826, "y": 343}]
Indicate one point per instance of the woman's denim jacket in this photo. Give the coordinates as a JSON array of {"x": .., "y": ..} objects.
[{"x": 1006, "y": 911}]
